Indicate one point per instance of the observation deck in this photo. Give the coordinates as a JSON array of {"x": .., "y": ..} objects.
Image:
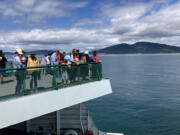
[{"x": 27, "y": 93}]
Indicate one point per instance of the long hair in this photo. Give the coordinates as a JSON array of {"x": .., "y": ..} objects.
[{"x": 33, "y": 57}]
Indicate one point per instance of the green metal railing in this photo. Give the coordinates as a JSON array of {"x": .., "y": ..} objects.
[{"x": 29, "y": 80}]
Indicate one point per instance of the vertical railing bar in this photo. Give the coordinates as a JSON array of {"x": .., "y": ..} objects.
[
  {"x": 54, "y": 77},
  {"x": 78, "y": 70}
]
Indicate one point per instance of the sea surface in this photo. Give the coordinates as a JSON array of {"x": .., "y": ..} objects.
[{"x": 145, "y": 98}]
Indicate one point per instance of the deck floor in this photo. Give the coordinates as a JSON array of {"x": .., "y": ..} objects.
[{"x": 8, "y": 87}]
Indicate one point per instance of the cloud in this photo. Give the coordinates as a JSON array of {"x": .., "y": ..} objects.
[
  {"x": 51, "y": 39},
  {"x": 88, "y": 22},
  {"x": 37, "y": 10},
  {"x": 113, "y": 24},
  {"x": 160, "y": 26}
]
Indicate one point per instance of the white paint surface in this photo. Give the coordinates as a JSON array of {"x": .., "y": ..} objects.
[
  {"x": 24, "y": 108},
  {"x": 114, "y": 133}
]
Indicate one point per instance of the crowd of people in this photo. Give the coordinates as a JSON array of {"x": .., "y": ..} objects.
[
  {"x": 55, "y": 58},
  {"x": 20, "y": 60}
]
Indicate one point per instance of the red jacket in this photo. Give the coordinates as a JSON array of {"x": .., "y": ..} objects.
[{"x": 58, "y": 57}]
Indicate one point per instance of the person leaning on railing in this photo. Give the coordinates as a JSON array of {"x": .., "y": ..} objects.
[
  {"x": 95, "y": 67},
  {"x": 75, "y": 65},
  {"x": 95, "y": 57},
  {"x": 54, "y": 60},
  {"x": 83, "y": 67},
  {"x": 34, "y": 72},
  {"x": 89, "y": 66},
  {"x": 65, "y": 76},
  {"x": 44, "y": 63},
  {"x": 3, "y": 61},
  {"x": 24, "y": 59},
  {"x": 68, "y": 60}
]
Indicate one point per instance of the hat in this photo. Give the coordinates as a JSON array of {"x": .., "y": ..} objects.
[
  {"x": 86, "y": 52},
  {"x": 19, "y": 51}
]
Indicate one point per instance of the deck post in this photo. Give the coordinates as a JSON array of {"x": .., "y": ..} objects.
[
  {"x": 28, "y": 127},
  {"x": 58, "y": 127}
]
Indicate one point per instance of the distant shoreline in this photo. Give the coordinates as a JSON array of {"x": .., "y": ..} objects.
[{"x": 110, "y": 54}]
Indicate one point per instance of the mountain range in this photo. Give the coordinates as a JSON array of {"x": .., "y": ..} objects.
[{"x": 140, "y": 47}]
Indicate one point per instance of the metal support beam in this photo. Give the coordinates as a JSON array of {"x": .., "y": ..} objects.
[
  {"x": 28, "y": 127},
  {"x": 58, "y": 126}
]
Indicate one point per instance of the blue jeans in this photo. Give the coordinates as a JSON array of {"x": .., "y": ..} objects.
[
  {"x": 19, "y": 78},
  {"x": 33, "y": 81}
]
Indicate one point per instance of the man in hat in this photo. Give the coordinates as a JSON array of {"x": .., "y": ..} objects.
[
  {"x": 88, "y": 59},
  {"x": 17, "y": 59},
  {"x": 19, "y": 72}
]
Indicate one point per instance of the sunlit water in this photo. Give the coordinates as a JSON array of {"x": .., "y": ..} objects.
[{"x": 146, "y": 95}]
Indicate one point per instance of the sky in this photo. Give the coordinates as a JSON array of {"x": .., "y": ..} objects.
[{"x": 87, "y": 24}]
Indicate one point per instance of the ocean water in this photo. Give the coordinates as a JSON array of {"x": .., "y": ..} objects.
[{"x": 145, "y": 98}]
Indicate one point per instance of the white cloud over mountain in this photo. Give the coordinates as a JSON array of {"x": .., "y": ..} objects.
[{"x": 129, "y": 23}]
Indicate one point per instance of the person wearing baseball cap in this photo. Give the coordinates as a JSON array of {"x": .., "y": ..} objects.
[
  {"x": 19, "y": 51},
  {"x": 18, "y": 64},
  {"x": 17, "y": 58},
  {"x": 86, "y": 54}
]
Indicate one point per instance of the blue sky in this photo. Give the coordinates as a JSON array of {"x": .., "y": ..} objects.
[{"x": 87, "y": 24}]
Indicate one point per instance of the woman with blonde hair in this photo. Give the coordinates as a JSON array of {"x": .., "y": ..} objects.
[{"x": 33, "y": 62}]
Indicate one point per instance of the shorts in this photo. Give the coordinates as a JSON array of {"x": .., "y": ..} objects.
[{"x": 2, "y": 71}]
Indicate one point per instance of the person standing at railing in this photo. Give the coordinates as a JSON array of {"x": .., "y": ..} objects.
[
  {"x": 17, "y": 59},
  {"x": 58, "y": 56},
  {"x": 62, "y": 56},
  {"x": 69, "y": 59},
  {"x": 74, "y": 66},
  {"x": 54, "y": 60},
  {"x": 55, "y": 63},
  {"x": 79, "y": 54},
  {"x": 19, "y": 72},
  {"x": 44, "y": 60},
  {"x": 34, "y": 72},
  {"x": 86, "y": 54},
  {"x": 96, "y": 67},
  {"x": 3, "y": 61},
  {"x": 24, "y": 59},
  {"x": 88, "y": 70},
  {"x": 48, "y": 58},
  {"x": 43, "y": 63},
  {"x": 76, "y": 58},
  {"x": 83, "y": 67},
  {"x": 95, "y": 57},
  {"x": 65, "y": 76}
]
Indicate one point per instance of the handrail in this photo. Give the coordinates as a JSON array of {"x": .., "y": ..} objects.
[
  {"x": 28, "y": 80},
  {"x": 6, "y": 69}
]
